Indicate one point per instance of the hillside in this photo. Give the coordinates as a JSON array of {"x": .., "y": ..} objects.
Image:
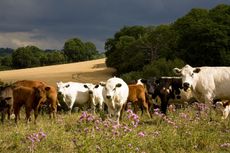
[{"x": 88, "y": 71}]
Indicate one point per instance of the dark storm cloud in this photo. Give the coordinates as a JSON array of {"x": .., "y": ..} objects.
[{"x": 89, "y": 20}]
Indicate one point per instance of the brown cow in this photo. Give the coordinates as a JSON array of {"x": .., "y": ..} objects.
[
  {"x": 137, "y": 97},
  {"x": 31, "y": 98},
  {"x": 6, "y": 101},
  {"x": 51, "y": 93},
  {"x": 52, "y": 100}
]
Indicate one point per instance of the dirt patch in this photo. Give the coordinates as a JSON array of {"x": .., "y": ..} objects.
[{"x": 89, "y": 71}]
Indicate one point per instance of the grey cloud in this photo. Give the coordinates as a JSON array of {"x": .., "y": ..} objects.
[{"x": 90, "y": 20}]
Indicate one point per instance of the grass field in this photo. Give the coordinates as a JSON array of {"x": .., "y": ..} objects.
[{"x": 187, "y": 130}]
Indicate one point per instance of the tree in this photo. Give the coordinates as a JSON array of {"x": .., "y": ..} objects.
[
  {"x": 6, "y": 61},
  {"x": 122, "y": 52},
  {"x": 202, "y": 40},
  {"x": 90, "y": 51},
  {"x": 75, "y": 50},
  {"x": 28, "y": 56},
  {"x": 55, "y": 57}
]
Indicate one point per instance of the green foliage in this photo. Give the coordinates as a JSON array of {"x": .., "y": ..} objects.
[
  {"x": 203, "y": 40},
  {"x": 134, "y": 75},
  {"x": 55, "y": 57},
  {"x": 31, "y": 56},
  {"x": 123, "y": 52},
  {"x": 6, "y": 60},
  {"x": 200, "y": 38},
  {"x": 161, "y": 67},
  {"x": 25, "y": 57},
  {"x": 75, "y": 50},
  {"x": 157, "y": 68}
]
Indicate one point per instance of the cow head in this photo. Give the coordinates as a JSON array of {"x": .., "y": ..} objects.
[
  {"x": 62, "y": 87},
  {"x": 91, "y": 87},
  {"x": 4, "y": 102},
  {"x": 188, "y": 74},
  {"x": 62, "y": 90},
  {"x": 109, "y": 91},
  {"x": 40, "y": 96}
]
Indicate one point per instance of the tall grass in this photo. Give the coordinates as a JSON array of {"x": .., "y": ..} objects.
[{"x": 186, "y": 130}]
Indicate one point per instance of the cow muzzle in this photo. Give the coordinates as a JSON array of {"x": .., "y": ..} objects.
[
  {"x": 186, "y": 86},
  {"x": 108, "y": 97}
]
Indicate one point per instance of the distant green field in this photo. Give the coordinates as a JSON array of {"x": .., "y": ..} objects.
[{"x": 183, "y": 131}]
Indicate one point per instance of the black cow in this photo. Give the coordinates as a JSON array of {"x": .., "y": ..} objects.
[
  {"x": 165, "y": 88},
  {"x": 6, "y": 101}
]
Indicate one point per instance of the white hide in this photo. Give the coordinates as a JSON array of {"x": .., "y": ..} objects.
[
  {"x": 96, "y": 97},
  {"x": 72, "y": 93},
  {"x": 115, "y": 93},
  {"x": 206, "y": 83}
]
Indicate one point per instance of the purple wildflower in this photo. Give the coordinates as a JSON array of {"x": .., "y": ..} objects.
[
  {"x": 141, "y": 134},
  {"x": 225, "y": 145}
]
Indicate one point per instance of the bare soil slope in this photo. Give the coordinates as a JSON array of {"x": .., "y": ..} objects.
[{"x": 89, "y": 71}]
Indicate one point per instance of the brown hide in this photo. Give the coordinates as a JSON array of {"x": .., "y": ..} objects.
[
  {"x": 31, "y": 98},
  {"x": 51, "y": 93},
  {"x": 29, "y": 83},
  {"x": 137, "y": 97}
]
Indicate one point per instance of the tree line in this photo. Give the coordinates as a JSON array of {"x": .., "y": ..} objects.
[
  {"x": 200, "y": 38},
  {"x": 74, "y": 50}
]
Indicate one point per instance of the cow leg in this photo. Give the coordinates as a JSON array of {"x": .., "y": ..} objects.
[
  {"x": 28, "y": 114},
  {"x": 164, "y": 103},
  {"x": 2, "y": 116},
  {"x": 93, "y": 108},
  {"x": 16, "y": 113},
  {"x": 9, "y": 110},
  {"x": 53, "y": 110},
  {"x": 110, "y": 112},
  {"x": 135, "y": 105},
  {"x": 146, "y": 106},
  {"x": 118, "y": 113},
  {"x": 209, "y": 102},
  {"x": 35, "y": 115},
  {"x": 122, "y": 110}
]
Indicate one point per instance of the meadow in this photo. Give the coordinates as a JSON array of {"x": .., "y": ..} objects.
[{"x": 190, "y": 129}]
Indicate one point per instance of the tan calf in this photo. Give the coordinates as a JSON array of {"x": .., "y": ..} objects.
[{"x": 137, "y": 98}]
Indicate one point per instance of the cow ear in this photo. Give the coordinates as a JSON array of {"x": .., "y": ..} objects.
[
  {"x": 177, "y": 71},
  {"x": 47, "y": 88},
  {"x": 143, "y": 80},
  {"x": 102, "y": 84},
  {"x": 96, "y": 86},
  {"x": 119, "y": 85},
  {"x": 86, "y": 86},
  {"x": 197, "y": 70}
]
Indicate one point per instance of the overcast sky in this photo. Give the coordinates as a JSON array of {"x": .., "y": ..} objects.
[{"x": 47, "y": 24}]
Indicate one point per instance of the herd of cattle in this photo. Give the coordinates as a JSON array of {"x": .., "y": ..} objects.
[{"x": 203, "y": 84}]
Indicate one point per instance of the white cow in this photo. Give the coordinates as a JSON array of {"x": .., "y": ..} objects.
[
  {"x": 73, "y": 93},
  {"x": 95, "y": 94},
  {"x": 206, "y": 83},
  {"x": 115, "y": 93}
]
